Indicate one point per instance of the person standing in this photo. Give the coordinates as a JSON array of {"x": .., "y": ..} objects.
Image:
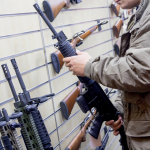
[{"x": 129, "y": 72}]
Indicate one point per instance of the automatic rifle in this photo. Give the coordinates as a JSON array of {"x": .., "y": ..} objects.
[
  {"x": 33, "y": 129},
  {"x": 93, "y": 96}
]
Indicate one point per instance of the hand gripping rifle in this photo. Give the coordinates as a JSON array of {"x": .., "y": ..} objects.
[
  {"x": 57, "y": 57},
  {"x": 10, "y": 128},
  {"x": 68, "y": 102},
  {"x": 33, "y": 128},
  {"x": 93, "y": 96},
  {"x": 53, "y": 7}
]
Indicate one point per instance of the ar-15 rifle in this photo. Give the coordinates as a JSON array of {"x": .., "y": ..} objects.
[
  {"x": 68, "y": 102},
  {"x": 117, "y": 46},
  {"x": 118, "y": 25},
  {"x": 81, "y": 136},
  {"x": 115, "y": 8},
  {"x": 33, "y": 129},
  {"x": 57, "y": 57},
  {"x": 10, "y": 128},
  {"x": 53, "y": 7},
  {"x": 4, "y": 137},
  {"x": 93, "y": 96}
]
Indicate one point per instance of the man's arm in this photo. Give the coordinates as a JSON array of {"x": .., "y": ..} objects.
[{"x": 129, "y": 73}]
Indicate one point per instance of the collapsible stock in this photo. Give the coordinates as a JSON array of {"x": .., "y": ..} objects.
[
  {"x": 115, "y": 8},
  {"x": 33, "y": 129},
  {"x": 68, "y": 102}
]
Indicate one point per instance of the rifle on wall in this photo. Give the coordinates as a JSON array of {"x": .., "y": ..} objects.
[
  {"x": 81, "y": 136},
  {"x": 117, "y": 46},
  {"x": 33, "y": 128},
  {"x": 117, "y": 27},
  {"x": 94, "y": 95},
  {"x": 53, "y": 7},
  {"x": 68, "y": 102},
  {"x": 4, "y": 137},
  {"x": 10, "y": 128},
  {"x": 115, "y": 8},
  {"x": 75, "y": 42}
]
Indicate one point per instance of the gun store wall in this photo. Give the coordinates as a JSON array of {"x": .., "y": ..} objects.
[{"x": 25, "y": 37}]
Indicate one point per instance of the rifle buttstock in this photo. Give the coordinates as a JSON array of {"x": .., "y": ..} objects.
[
  {"x": 68, "y": 102},
  {"x": 117, "y": 28},
  {"x": 57, "y": 60},
  {"x": 115, "y": 8},
  {"x": 53, "y": 7}
]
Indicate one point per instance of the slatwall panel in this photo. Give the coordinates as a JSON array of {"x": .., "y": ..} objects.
[{"x": 25, "y": 37}]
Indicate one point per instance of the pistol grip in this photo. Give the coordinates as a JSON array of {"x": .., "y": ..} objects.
[{"x": 95, "y": 129}]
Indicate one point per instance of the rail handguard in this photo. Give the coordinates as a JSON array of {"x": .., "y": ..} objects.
[
  {"x": 33, "y": 128},
  {"x": 94, "y": 95}
]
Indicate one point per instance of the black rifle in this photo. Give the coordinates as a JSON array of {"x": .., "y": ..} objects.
[
  {"x": 10, "y": 128},
  {"x": 33, "y": 128},
  {"x": 94, "y": 95}
]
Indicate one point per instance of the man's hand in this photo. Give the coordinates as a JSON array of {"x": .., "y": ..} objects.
[
  {"x": 115, "y": 125},
  {"x": 77, "y": 63}
]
